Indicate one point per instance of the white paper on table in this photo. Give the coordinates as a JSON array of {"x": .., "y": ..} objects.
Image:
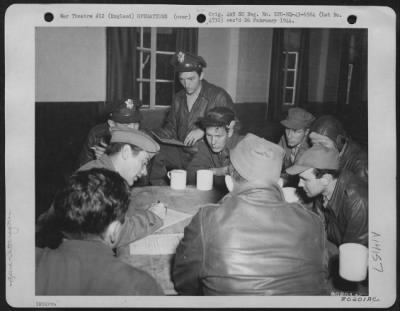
[
  {"x": 173, "y": 217},
  {"x": 156, "y": 244}
]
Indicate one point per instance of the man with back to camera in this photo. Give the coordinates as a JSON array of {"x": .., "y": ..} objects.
[
  {"x": 295, "y": 140},
  {"x": 90, "y": 211},
  {"x": 220, "y": 138},
  {"x": 253, "y": 242},
  {"x": 189, "y": 104},
  {"x": 127, "y": 114},
  {"x": 329, "y": 132},
  {"x": 127, "y": 154}
]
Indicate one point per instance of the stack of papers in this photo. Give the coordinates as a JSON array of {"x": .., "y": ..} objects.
[{"x": 156, "y": 244}]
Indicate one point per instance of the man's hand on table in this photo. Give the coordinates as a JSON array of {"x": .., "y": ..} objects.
[{"x": 160, "y": 209}]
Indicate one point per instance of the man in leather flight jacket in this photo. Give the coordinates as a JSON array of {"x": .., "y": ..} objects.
[
  {"x": 340, "y": 195},
  {"x": 253, "y": 242},
  {"x": 329, "y": 132}
]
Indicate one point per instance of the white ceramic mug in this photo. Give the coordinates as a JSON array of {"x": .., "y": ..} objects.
[
  {"x": 353, "y": 262},
  {"x": 229, "y": 182},
  {"x": 290, "y": 194},
  {"x": 204, "y": 179},
  {"x": 177, "y": 179}
]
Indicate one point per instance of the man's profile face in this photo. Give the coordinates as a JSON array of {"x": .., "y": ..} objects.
[
  {"x": 318, "y": 139},
  {"x": 135, "y": 166},
  {"x": 312, "y": 186},
  {"x": 217, "y": 138},
  {"x": 295, "y": 137},
  {"x": 191, "y": 81}
]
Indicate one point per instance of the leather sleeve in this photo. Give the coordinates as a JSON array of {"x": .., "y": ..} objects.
[
  {"x": 137, "y": 226},
  {"x": 170, "y": 128},
  {"x": 357, "y": 221},
  {"x": 189, "y": 260}
]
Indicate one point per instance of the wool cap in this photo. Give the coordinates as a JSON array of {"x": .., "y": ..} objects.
[
  {"x": 127, "y": 112},
  {"x": 316, "y": 157},
  {"x": 218, "y": 116},
  {"x": 257, "y": 159},
  {"x": 297, "y": 119},
  {"x": 330, "y": 127},
  {"x": 134, "y": 137},
  {"x": 185, "y": 62}
]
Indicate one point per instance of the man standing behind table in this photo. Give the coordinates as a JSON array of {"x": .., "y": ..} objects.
[
  {"x": 329, "y": 132},
  {"x": 127, "y": 154},
  {"x": 189, "y": 104},
  {"x": 253, "y": 242},
  {"x": 89, "y": 212},
  {"x": 221, "y": 137},
  {"x": 126, "y": 115}
]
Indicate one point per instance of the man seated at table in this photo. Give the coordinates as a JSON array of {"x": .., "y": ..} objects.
[
  {"x": 127, "y": 114},
  {"x": 253, "y": 242},
  {"x": 329, "y": 132},
  {"x": 89, "y": 212},
  {"x": 127, "y": 154},
  {"x": 295, "y": 140},
  {"x": 221, "y": 137},
  {"x": 189, "y": 104},
  {"x": 338, "y": 194}
]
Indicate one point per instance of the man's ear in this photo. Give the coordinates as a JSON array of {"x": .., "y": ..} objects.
[
  {"x": 231, "y": 128},
  {"x": 201, "y": 76},
  {"x": 112, "y": 233},
  {"x": 126, "y": 151},
  {"x": 326, "y": 179},
  {"x": 111, "y": 123}
]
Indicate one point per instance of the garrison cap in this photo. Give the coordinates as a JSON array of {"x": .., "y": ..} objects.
[
  {"x": 134, "y": 137},
  {"x": 185, "y": 62}
]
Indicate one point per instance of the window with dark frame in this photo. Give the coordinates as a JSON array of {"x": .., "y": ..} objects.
[
  {"x": 289, "y": 70},
  {"x": 155, "y": 77}
]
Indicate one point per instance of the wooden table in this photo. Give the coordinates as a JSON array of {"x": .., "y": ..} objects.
[{"x": 187, "y": 201}]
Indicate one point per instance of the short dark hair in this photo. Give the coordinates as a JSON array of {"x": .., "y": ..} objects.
[
  {"x": 90, "y": 201},
  {"x": 114, "y": 148},
  {"x": 321, "y": 172}
]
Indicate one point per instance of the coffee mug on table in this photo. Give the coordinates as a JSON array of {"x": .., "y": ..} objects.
[
  {"x": 290, "y": 194},
  {"x": 204, "y": 179},
  {"x": 177, "y": 179},
  {"x": 353, "y": 262}
]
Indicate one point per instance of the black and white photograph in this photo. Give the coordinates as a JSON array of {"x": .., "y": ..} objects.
[{"x": 172, "y": 153}]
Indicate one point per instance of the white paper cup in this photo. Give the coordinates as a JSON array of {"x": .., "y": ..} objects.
[
  {"x": 353, "y": 262},
  {"x": 290, "y": 194},
  {"x": 204, "y": 179},
  {"x": 177, "y": 179}
]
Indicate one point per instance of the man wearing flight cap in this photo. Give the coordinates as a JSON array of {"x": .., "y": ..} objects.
[
  {"x": 128, "y": 154},
  {"x": 338, "y": 193},
  {"x": 189, "y": 104},
  {"x": 329, "y": 132},
  {"x": 126, "y": 114},
  {"x": 253, "y": 242},
  {"x": 342, "y": 198},
  {"x": 220, "y": 137},
  {"x": 295, "y": 140}
]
